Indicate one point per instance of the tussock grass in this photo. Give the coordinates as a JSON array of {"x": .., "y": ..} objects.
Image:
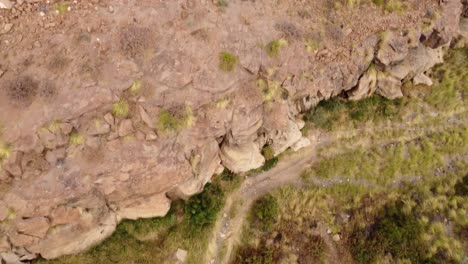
[
  {"x": 173, "y": 121},
  {"x": 227, "y": 61},
  {"x": 273, "y": 48},
  {"x": 121, "y": 109},
  {"x": 77, "y": 139}
]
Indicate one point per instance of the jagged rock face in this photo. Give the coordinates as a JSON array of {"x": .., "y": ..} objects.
[{"x": 75, "y": 166}]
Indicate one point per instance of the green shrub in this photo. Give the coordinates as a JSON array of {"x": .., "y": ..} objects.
[
  {"x": 227, "y": 61},
  {"x": 135, "y": 89},
  {"x": 228, "y": 175},
  {"x": 5, "y": 151},
  {"x": 461, "y": 188},
  {"x": 171, "y": 122},
  {"x": 395, "y": 233},
  {"x": 77, "y": 139},
  {"x": 252, "y": 255},
  {"x": 265, "y": 211},
  {"x": 273, "y": 47},
  {"x": 121, "y": 109},
  {"x": 270, "y": 164},
  {"x": 202, "y": 209},
  {"x": 61, "y": 8},
  {"x": 268, "y": 153}
]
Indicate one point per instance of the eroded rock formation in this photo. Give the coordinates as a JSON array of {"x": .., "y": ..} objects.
[{"x": 73, "y": 166}]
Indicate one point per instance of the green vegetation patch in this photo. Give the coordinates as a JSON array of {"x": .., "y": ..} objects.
[
  {"x": 227, "y": 61},
  {"x": 451, "y": 82},
  {"x": 273, "y": 48},
  {"x": 265, "y": 211},
  {"x": 202, "y": 209},
  {"x": 333, "y": 113},
  {"x": 173, "y": 121},
  {"x": 61, "y": 8},
  {"x": 121, "y": 109},
  {"x": 77, "y": 139},
  {"x": 395, "y": 233}
]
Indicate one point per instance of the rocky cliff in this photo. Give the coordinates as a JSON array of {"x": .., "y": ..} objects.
[{"x": 110, "y": 109}]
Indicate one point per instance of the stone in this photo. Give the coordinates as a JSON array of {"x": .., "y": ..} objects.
[
  {"x": 3, "y": 211},
  {"x": 302, "y": 143},
  {"x": 285, "y": 139},
  {"x": 13, "y": 164},
  {"x": 5, "y": 4},
  {"x": 336, "y": 237},
  {"x": 181, "y": 255},
  {"x": 53, "y": 156},
  {"x": 4, "y": 244},
  {"x": 204, "y": 165},
  {"x": 63, "y": 215},
  {"x": 419, "y": 60},
  {"x": 388, "y": 86},
  {"x": 125, "y": 128},
  {"x": 145, "y": 207},
  {"x": 98, "y": 128},
  {"x": 421, "y": 78},
  {"x": 7, "y": 28},
  {"x": 366, "y": 85},
  {"x": 66, "y": 128},
  {"x": 150, "y": 136},
  {"x": 146, "y": 118},
  {"x": 392, "y": 49},
  {"x": 10, "y": 258},
  {"x": 93, "y": 142},
  {"x": 36, "y": 226},
  {"x": 109, "y": 119},
  {"x": 241, "y": 158}
]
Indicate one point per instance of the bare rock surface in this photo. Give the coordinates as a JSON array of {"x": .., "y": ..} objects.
[{"x": 108, "y": 112}]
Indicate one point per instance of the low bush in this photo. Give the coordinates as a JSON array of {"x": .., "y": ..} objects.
[
  {"x": 173, "y": 121},
  {"x": 121, "y": 109},
  {"x": 202, "y": 209},
  {"x": 265, "y": 211},
  {"x": 273, "y": 48},
  {"x": 227, "y": 61},
  {"x": 395, "y": 233},
  {"x": 252, "y": 255}
]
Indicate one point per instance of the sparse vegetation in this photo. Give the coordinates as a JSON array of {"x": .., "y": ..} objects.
[
  {"x": 265, "y": 211},
  {"x": 135, "y": 89},
  {"x": 77, "y": 139},
  {"x": 451, "y": 82},
  {"x": 202, "y": 209},
  {"x": 336, "y": 112},
  {"x": 5, "y": 151},
  {"x": 121, "y": 109},
  {"x": 222, "y": 3},
  {"x": 173, "y": 121},
  {"x": 273, "y": 48},
  {"x": 61, "y": 8},
  {"x": 22, "y": 90},
  {"x": 227, "y": 61},
  {"x": 271, "y": 90}
]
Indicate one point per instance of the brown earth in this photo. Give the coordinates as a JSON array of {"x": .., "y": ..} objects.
[{"x": 71, "y": 170}]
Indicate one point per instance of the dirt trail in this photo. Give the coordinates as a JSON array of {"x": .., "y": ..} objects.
[{"x": 227, "y": 231}]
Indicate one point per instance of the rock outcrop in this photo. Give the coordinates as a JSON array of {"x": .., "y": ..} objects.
[{"x": 75, "y": 161}]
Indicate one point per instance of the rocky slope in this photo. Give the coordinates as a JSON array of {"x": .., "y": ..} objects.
[{"x": 110, "y": 109}]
